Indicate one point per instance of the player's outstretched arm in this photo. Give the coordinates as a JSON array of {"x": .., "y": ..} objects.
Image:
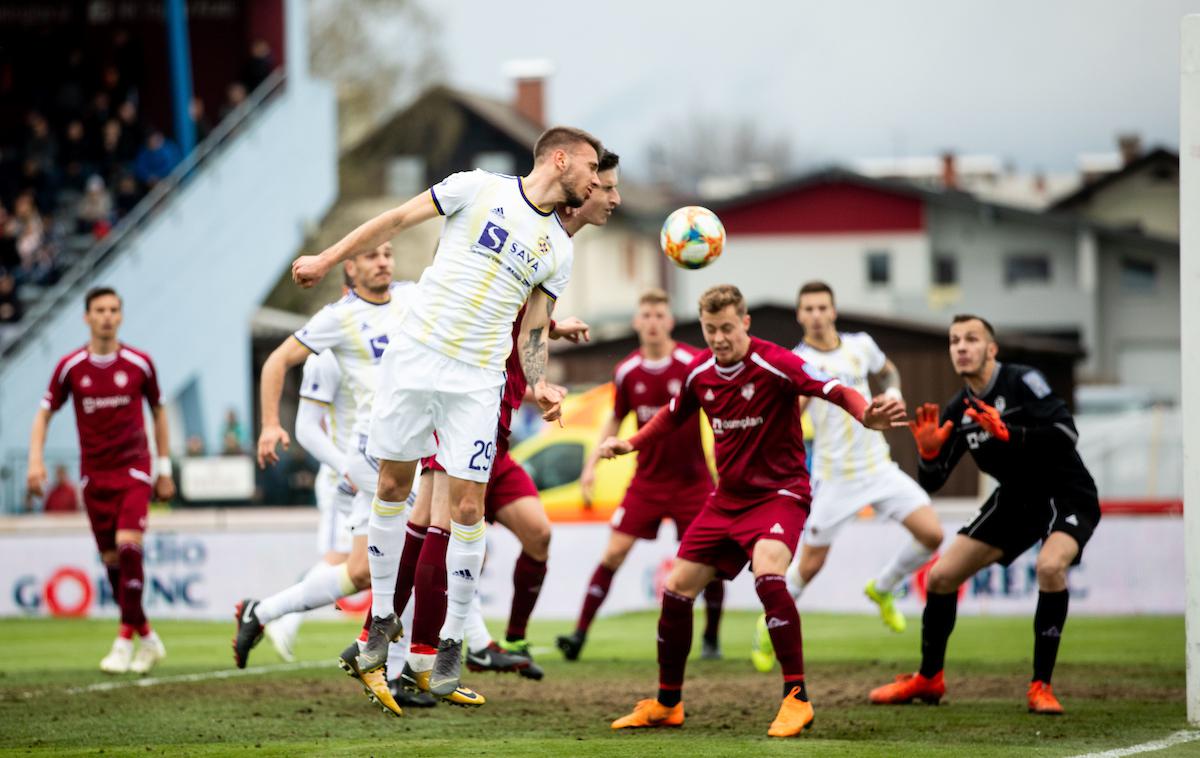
[
  {"x": 313, "y": 438},
  {"x": 533, "y": 350},
  {"x": 307, "y": 270},
  {"x": 164, "y": 483},
  {"x": 937, "y": 445},
  {"x": 290, "y": 353},
  {"x": 587, "y": 480},
  {"x": 570, "y": 329},
  {"x": 35, "y": 476}
]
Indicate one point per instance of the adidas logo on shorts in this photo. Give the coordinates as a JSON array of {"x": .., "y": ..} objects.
[{"x": 1073, "y": 520}]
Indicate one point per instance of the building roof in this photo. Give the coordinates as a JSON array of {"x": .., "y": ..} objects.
[{"x": 1157, "y": 156}]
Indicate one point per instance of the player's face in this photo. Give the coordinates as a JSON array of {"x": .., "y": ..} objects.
[
  {"x": 653, "y": 323},
  {"x": 103, "y": 316},
  {"x": 971, "y": 348},
  {"x": 603, "y": 200},
  {"x": 579, "y": 173},
  {"x": 373, "y": 271},
  {"x": 727, "y": 334},
  {"x": 816, "y": 313}
]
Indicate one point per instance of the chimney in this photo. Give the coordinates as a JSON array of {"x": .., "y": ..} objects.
[
  {"x": 530, "y": 97},
  {"x": 1130, "y": 147},
  {"x": 949, "y": 171}
]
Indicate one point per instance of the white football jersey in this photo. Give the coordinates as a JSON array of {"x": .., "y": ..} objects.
[
  {"x": 842, "y": 447},
  {"x": 322, "y": 383},
  {"x": 495, "y": 248},
  {"x": 356, "y": 331}
]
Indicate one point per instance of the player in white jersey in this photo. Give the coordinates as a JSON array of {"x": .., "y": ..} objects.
[
  {"x": 852, "y": 468},
  {"x": 503, "y": 246},
  {"x": 324, "y": 419},
  {"x": 355, "y": 329}
]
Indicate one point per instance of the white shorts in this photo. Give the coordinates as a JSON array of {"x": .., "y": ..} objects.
[
  {"x": 422, "y": 390},
  {"x": 835, "y": 502},
  {"x": 363, "y": 470},
  {"x": 333, "y": 505}
]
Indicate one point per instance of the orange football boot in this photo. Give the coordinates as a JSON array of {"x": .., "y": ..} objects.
[
  {"x": 910, "y": 687},
  {"x": 1042, "y": 700},
  {"x": 650, "y": 712},
  {"x": 793, "y": 718}
]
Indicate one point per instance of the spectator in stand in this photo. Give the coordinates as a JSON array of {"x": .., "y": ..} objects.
[
  {"x": 94, "y": 215},
  {"x": 194, "y": 447},
  {"x": 132, "y": 132},
  {"x": 258, "y": 66},
  {"x": 74, "y": 155},
  {"x": 200, "y": 119},
  {"x": 128, "y": 195},
  {"x": 26, "y": 226},
  {"x": 10, "y": 304},
  {"x": 9, "y": 259},
  {"x": 63, "y": 497},
  {"x": 108, "y": 160},
  {"x": 157, "y": 159},
  {"x": 39, "y": 146},
  {"x": 235, "y": 95},
  {"x": 38, "y": 183},
  {"x": 99, "y": 112}
]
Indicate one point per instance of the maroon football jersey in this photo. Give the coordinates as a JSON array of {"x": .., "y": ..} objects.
[
  {"x": 644, "y": 386},
  {"x": 108, "y": 392},
  {"x": 755, "y": 418}
]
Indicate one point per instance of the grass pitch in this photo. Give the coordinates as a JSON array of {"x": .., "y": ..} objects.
[{"x": 1120, "y": 679}]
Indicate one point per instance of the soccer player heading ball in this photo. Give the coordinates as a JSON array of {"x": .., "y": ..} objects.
[
  {"x": 1020, "y": 433},
  {"x": 748, "y": 388}
]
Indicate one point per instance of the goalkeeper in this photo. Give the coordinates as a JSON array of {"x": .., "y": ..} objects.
[{"x": 1022, "y": 434}]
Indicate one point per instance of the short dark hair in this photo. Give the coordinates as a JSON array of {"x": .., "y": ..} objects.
[
  {"x": 557, "y": 137},
  {"x": 96, "y": 292},
  {"x": 961, "y": 317},
  {"x": 813, "y": 287},
  {"x": 608, "y": 160},
  {"x": 718, "y": 298}
]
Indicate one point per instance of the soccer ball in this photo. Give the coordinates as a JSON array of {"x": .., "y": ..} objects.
[{"x": 692, "y": 237}]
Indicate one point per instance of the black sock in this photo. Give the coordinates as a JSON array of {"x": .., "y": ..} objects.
[
  {"x": 669, "y": 698},
  {"x": 1048, "y": 622},
  {"x": 936, "y": 625},
  {"x": 789, "y": 686}
]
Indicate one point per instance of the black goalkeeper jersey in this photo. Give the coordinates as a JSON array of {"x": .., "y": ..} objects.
[{"x": 1040, "y": 456}]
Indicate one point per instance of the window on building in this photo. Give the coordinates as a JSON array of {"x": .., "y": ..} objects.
[
  {"x": 1138, "y": 276},
  {"x": 945, "y": 269},
  {"x": 1027, "y": 268},
  {"x": 406, "y": 176},
  {"x": 495, "y": 161},
  {"x": 879, "y": 268}
]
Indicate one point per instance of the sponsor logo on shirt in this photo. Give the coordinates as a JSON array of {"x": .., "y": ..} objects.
[
  {"x": 493, "y": 237},
  {"x": 722, "y": 425},
  {"x": 93, "y": 404}
]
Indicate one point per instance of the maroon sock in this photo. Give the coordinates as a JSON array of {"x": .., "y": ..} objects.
[
  {"x": 366, "y": 628},
  {"x": 413, "y": 541},
  {"x": 429, "y": 587},
  {"x": 132, "y": 579},
  {"x": 596, "y": 592},
  {"x": 114, "y": 581},
  {"x": 674, "y": 640},
  {"x": 783, "y": 622},
  {"x": 527, "y": 585},
  {"x": 714, "y": 600}
]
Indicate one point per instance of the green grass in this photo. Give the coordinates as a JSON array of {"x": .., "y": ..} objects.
[{"x": 1121, "y": 680}]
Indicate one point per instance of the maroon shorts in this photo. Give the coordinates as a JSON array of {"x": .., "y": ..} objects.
[
  {"x": 724, "y": 534},
  {"x": 646, "y": 504},
  {"x": 116, "y": 500},
  {"x": 509, "y": 483}
]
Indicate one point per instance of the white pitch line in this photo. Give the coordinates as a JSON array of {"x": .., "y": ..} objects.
[
  {"x": 1178, "y": 738},
  {"x": 202, "y": 676}
]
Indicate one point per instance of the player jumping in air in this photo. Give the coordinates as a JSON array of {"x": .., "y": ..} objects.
[
  {"x": 851, "y": 466},
  {"x": 672, "y": 478},
  {"x": 748, "y": 388},
  {"x": 108, "y": 381},
  {"x": 1020, "y": 433},
  {"x": 502, "y": 247}
]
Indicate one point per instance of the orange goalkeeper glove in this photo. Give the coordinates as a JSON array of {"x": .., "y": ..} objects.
[
  {"x": 987, "y": 417},
  {"x": 925, "y": 430}
]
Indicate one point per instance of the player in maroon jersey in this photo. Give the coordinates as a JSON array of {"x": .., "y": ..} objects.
[
  {"x": 672, "y": 479},
  {"x": 108, "y": 381},
  {"x": 748, "y": 388}
]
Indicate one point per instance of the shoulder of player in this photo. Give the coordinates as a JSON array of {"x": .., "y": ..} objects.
[
  {"x": 68, "y": 362},
  {"x": 627, "y": 364},
  {"x": 702, "y": 363},
  {"x": 139, "y": 358},
  {"x": 685, "y": 353},
  {"x": 773, "y": 358}
]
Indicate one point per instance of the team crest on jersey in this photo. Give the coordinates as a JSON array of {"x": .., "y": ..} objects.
[
  {"x": 121, "y": 378},
  {"x": 673, "y": 386},
  {"x": 1000, "y": 403},
  {"x": 709, "y": 396},
  {"x": 543, "y": 245},
  {"x": 748, "y": 390},
  {"x": 85, "y": 382},
  {"x": 639, "y": 388}
]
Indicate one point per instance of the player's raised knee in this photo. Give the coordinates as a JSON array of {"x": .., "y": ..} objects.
[
  {"x": 941, "y": 581},
  {"x": 1051, "y": 574},
  {"x": 931, "y": 540}
]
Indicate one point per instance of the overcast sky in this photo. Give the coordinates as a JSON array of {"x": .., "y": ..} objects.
[{"x": 1033, "y": 81}]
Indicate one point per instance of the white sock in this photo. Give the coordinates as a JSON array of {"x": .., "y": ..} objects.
[
  {"x": 322, "y": 585},
  {"x": 475, "y": 631},
  {"x": 464, "y": 562},
  {"x": 385, "y": 538},
  {"x": 910, "y": 558},
  {"x": 288, "y": 625},
  {"x": 795, "y": 583}
]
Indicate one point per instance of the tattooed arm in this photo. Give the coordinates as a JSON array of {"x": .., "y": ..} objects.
[{"x": 533, "y": 351}]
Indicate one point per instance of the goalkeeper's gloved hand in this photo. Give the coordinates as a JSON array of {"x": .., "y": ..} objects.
[
  {"x": 987, "y": 417},
  {"x": 925, "y": 430}
]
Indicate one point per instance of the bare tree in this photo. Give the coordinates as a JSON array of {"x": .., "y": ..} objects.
[{"x": 718, "y": 152}]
